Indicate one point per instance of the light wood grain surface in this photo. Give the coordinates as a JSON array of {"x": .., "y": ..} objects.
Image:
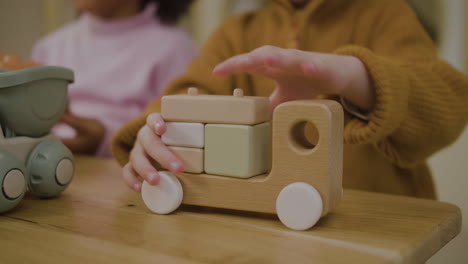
[{"x": 99, "y": 220}]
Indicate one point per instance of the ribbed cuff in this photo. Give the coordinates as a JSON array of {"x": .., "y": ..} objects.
[
  {"x": 391, "y": 89},
  {"x": 354, "y": 110}
]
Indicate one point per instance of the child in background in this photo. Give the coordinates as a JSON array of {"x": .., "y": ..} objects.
[
  {"x": 402, "y": 102},
  {"x": 123, "y": 53}
]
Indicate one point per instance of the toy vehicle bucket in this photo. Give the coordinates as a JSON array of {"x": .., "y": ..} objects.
[{"x": 32, "y": 100}]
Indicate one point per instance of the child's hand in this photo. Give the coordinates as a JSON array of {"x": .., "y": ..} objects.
[
  {"x": 148, "y": 147},
  {"x": 89, "y": 134},
  {"x": 303, "y": 75}
]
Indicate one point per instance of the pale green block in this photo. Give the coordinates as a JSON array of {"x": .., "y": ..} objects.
[{"x": 237, "y": 150}]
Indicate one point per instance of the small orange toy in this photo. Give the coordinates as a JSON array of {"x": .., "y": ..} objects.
[{"x": 11, "y": 61}]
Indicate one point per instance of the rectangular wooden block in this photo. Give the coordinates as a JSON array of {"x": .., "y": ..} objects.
[
  {"x": 192, "y": 158},
  {"x": 239, "y": 109},
  {"x": 237, "y": 150},
  {"x": 191, "y": 135}
]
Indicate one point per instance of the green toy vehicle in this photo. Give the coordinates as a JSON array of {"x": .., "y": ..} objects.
[{"x": 32, "y": 100}]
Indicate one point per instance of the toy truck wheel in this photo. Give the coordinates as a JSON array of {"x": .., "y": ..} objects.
[
  {"x": 12, "y": 180},
  {"x": 51, "y": 168},
  {"x": 299, "y": 206},
  {"x": 165, "y": 197}
]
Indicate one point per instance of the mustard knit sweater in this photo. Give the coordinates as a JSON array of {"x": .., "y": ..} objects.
[{"x": 422, "y": 102}]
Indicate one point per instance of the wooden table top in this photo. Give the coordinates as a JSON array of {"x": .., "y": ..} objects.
[{"x": 99, "y": 220}]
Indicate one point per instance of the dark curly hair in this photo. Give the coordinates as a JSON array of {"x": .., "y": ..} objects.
[{"x": 169, "y": 11}]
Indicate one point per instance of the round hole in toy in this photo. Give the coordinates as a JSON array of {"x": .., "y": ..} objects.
[{"x": 304, "y": 135}]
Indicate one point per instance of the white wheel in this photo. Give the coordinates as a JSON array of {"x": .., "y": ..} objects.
[
  {"x": 14, "y": 184},
  {"x": 299, "y": 206},
  {"x": 64, "y": 171},
  {"x": 164, "y": 197}
]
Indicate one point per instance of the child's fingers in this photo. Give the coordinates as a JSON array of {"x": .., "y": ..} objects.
[
  {"x": 75, "y": 144},
  {"x": 233, "y": 64},
  {"x": 248, "y": 62},
  {"x": 269, "y": 55},
  {"x": 316, "y": 66},
  {"x": 130, "y": 177},
  {"x": 270, "y": 72},
  {"x": 275, "y": 100},
  {"x": 295, "y": 62},
  {"x": 267, "y": 58},
  {"x": 142, "y": 165},
  {"x": 72, "y": 120},
  {"x": 292, "y": 63},
  {"x": 157, "y": 150},
  {"x": 288, "y": 61},
  {"x": 80, "y": 124},
  {"x": 156, "y": 123}
]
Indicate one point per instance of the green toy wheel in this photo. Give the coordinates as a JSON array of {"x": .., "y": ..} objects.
[
  {"x": 12, "y": 180},
  {"x": 51, "y": 168}
]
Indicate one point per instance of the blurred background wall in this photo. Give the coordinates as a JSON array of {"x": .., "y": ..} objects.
[
  {"x": 450, "y": 166},
  {"x": 22, "y": 22}
]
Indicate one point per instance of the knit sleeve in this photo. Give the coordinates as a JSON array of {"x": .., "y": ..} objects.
[
  {"x": 421, "y": 101},
  {"x": 199, "y": 74}
]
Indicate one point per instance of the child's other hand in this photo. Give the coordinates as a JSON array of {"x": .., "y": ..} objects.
[
  {"x": 148, "y": 147},
  {"x": 303, "y": 75},
  {"x": 89, "y": 134}
]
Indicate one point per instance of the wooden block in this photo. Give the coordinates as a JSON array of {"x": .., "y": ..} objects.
[
  {"x": 190, "y": 135},
  {"x": 237, "y": 150},
  {"x": 237, "y": 109},
  {"x": 192, "y": 158}
]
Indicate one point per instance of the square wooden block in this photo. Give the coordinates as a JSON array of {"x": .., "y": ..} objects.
[
  {"x": 179, "y": 134},
  {"x": 237, "y": 150},
  {"x": 192, "y": 158}
]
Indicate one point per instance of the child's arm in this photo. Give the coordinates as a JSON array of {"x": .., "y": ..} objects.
[
  {"x": 421, "y": 101},
  {"x": 89, "y": 134}
]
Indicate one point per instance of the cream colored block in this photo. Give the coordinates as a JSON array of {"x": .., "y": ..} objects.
[
  {"x": 237, "y": 150},
  {"x": 192, "y": 158},
  {"x": 222, "y": 109},
  {"x": 190, "y": 135}
]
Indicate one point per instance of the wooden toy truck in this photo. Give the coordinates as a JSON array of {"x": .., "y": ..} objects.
[{"x": 305, "y": 180}]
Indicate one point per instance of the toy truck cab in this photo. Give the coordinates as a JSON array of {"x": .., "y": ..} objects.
[
  {"x": 32, "y": 100},
  {"x": 304, "y": 182}
]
